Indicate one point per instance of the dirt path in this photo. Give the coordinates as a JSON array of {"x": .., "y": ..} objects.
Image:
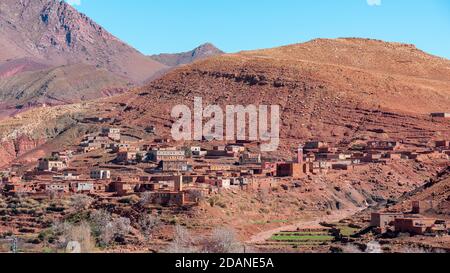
[{"x": 334, "y": 217}]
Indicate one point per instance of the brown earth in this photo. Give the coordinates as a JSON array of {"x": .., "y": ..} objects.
[
  {"x": 60, "y": 85},
  {"x": 352, "y": 97}
]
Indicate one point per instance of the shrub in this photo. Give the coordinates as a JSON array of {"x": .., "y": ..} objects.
[
  {"x": 148, "y": 224},
  {"x": 182, "y": 242},
  {"x": 223, "y": 240},
  {"x": 81, "y": 202}
]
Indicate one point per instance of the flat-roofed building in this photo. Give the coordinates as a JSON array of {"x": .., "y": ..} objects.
[
  {"x": 166, "y": 155},
  {"x": 100, "y": 174},
  {"x": 51, "y": 165},
  {"x": 383, "y": 220}
]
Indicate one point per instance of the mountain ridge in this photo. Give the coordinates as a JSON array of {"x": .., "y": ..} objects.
[
  {"x": 56, "y": 33},
  {"x": 175, "y": 59}
]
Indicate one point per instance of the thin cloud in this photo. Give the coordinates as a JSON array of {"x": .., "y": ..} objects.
[{"x": 373, "y": 3}]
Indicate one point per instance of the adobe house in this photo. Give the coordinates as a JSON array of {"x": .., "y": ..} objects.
[
  {"x": 121, "y": 188},
  {"x": 174, "y": 166},
  {"x": 414, "y": 226},
  {"x": 170, "y": 154},
  {"x": 82, "y": 187},
  {"x": 100, "y": 174},
  {"x": 126, "y": 157},
  {"x": 383, "y": 145},
  {"x": 294, "y": 170},
  {"x": 15, "y": 188},
  {"x": 440, "y": 115},
  {"x": 249, "y": 159},
  {"x": 111, "y": 133},
  {"x": 50, "y": 165},
  {"x": 63, "y": 188},
  {"x": 145, "y": 187},
  {"x": 169, "y": 198},
  {"x": 383, "y": 220},
  {"x": 442, "y": 144}
]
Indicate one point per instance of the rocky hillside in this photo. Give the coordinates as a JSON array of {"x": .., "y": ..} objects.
[
  {"x": 54, "y": 32},
  {"x": 435, "y": 194},
  {"x": 203, "y": 51},
  {"x": 59, "y": 85},
  {"x": 336, "y": 90},
  {"x": 366, "y": 92}
]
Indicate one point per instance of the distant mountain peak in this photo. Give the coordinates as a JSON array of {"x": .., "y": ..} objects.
[{"x": 203, "y": 51}]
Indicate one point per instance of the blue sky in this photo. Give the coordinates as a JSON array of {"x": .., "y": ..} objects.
[{"x": 157, "y": 26}]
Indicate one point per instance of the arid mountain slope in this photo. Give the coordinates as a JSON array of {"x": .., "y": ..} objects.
[
  {"x": 53, "y": 31},
  {"x": 17, "y": 66},
  {"x": 336, "y": 102},
  {"x": 435, "y": 194},
  {"x": 354, "y": 97},
  {"x": 59, "y": 85},
  {"x": 203, "y": 51}
]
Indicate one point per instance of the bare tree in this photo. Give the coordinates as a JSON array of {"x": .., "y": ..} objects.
[
  {"x": 83, "y": 235},
  {"x": 81, "y": 202},
  {"x": 101, "y": 221},
  {"x": 182, "y": 242},
  {"x": 148, "y": 224},
  {"x": 122, "y": 226},
  {"x": 106, "y": 228},
  {"x": 222, "y": 240}
]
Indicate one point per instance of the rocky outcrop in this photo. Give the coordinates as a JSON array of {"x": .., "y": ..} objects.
[{"x": 11, "y": 149}]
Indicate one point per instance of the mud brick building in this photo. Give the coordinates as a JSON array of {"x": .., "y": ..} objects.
[
  {"x": 62, "y": 188},
  {"x": 46, "y": 164},
  {"x": 126, "y": 157},
  {"x": 121, "y": 188},
  {"x": 383, "y": 145},
  {"x": 294, "y": 170},
  {"x": 166, "y": 155},
  {"x": 440, "y": 115},
  {"x": 383, "y": 220},
  {"x": 249, "y": 159},
  {"x": 443, "y": 144},
  {"x": 414, "y": 226},
  {"x": 100, "y": 174},
  {"x": 175, "y": 166},
  {"x": 111, "y": 133},
  {"x": 82, "y": 187}
]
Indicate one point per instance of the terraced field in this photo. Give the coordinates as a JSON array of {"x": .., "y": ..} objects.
[{"x": 309, "y": 237}]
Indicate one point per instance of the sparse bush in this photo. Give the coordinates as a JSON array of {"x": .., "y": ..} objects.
[
  {"x": 101, "y": 221},
  {"x": 148, "y": 224},
  {"x": 82, "y": 234},
  {"x": 107, "y": 229},
  {"x": 81, "y": 202},
  {"x": 223, "y": 240},
  {"x": 182, "y": 242}
]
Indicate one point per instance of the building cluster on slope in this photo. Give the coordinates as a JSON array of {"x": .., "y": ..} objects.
[
  {"x": 182, "y": 175},
  {"x": 412, "y": 222}
]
